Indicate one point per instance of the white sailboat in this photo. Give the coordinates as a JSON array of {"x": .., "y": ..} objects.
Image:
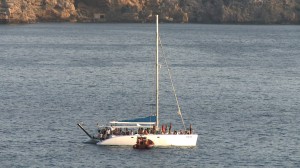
[{"x": 125, "y": 132}]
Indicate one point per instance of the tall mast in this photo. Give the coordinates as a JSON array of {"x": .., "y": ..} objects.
[{"x": 157, "y": 76}]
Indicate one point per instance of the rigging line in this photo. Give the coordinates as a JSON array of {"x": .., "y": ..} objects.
[{"x": 173, "y": 88}]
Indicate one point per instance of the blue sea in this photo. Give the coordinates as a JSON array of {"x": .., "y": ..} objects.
[{"x": 238, "y": 85}]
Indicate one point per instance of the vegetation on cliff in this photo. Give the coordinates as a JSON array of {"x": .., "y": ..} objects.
[{"x": 195, "y": 11}]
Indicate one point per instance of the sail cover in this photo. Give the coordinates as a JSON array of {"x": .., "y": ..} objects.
[{"x": 145, "y": 119}]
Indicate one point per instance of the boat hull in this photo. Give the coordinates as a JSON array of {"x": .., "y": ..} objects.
[{"x": 160, "y": 140}]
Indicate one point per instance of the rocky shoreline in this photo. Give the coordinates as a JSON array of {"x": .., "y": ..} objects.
[{"x": 141, "y": 11}]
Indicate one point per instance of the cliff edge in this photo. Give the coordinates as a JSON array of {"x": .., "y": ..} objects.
[{"x": 178, "y": 11}]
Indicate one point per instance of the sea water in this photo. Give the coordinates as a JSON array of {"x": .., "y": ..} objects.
[{"x": 238, "y": 85}]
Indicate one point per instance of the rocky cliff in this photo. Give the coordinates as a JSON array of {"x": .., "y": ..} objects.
[
  {"x": 30, "y": 11},
  {"x": 196, "y": 11}
]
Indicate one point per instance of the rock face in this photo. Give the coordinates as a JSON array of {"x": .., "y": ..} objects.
[
  {"x": 196, "y": 11},
  {"x": 30, "y": 11}
]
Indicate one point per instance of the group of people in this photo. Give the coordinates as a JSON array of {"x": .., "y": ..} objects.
[
  {"x": 120, "y": 131},
  {"x": 164, "y": 130},
  {"x": 106, "y": 132}
]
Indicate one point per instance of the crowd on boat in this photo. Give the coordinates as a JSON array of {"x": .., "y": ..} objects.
[{"x": 105, "y": 133}]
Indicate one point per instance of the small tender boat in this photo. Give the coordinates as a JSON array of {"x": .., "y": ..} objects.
[{"x": 143, "y": 143}]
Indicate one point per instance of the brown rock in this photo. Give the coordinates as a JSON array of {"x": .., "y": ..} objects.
[{"x": 201, "y": 11}]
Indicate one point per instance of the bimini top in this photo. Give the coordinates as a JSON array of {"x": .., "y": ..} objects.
[{"x": 145, "y": 120}]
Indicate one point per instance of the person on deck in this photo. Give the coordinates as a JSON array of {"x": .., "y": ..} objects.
[{"x": 145, "y": 132}]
